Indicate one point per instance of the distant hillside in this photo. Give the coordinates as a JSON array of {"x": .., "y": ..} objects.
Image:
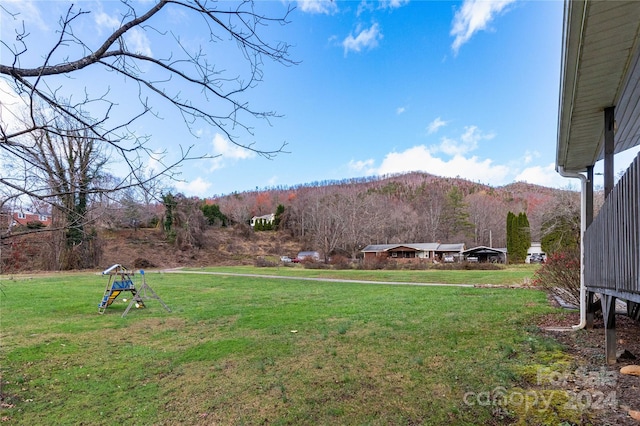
[
  {"x": 342, "y": 216},
  {"x": 334, "y": 218}
]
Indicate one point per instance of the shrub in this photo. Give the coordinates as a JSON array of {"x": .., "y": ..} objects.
[
  {"x": 416, "y": 266},
  {"x": 391, "y": 265},
  {"x": 379, "y": 262},
  {"x": 560, "y": 275},
  {"x": 467, "y": 266},
  {"x": 35, "y": 224},
  {"x": 243, "y": 231},
  {"x": 261, "y": 262},
  {"x": 153, "y": 222},
  {"x": 141, "y": 263},
  {"x": 339, "y": 262},
  {"x": 309, "y": 263},
  {"x": 472, "y": 266}
]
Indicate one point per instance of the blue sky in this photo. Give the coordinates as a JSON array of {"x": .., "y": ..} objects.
[{"x": 453, "y": 88}]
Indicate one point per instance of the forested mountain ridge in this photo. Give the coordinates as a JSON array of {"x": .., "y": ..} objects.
[
  {"x": 330, "y": 217},
  {"x": 344, "y": 216}
]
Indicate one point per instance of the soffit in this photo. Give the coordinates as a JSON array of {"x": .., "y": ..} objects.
[{"x": 599, "y": 69}]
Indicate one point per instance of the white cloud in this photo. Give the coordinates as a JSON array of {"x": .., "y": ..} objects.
[
  {"x": 216, "y": 163},
  {"x": 228, "y": 149},
  {"x": 12, "y": 107},
  {"x": 435, "y": 125},
  {"x": 400, "y": 110},
  {"x": 424, "y": 159},
  {"x": 472, "y": 136},
  {"x": 363, "y": 166},
  {"x": 542, "y": 175},
  {"x": 138, "y": 42},
  {"x": 366, "y": 39},
  {"x": 468, "y": 141},
  {"x": 154, "y": 163},
  {"x": 197, "y": 187},
  {"x": 624, "y": 159},
  {"x": 419, "y": 158},
  {"x": 547, "y": 175},
  {"x": 370, "y": 6},
  {"x": 393, "y": 4},
  {"x": 450, "y": 147},
  {"x": 27, "y": 11},
  {"x": 529, "y": 156},
  {"x": 474, "y": 16},
  {"x": 106, "y": 21},
  {"x": 223, "y": 149},
  {"x": 318, "y": 6}
]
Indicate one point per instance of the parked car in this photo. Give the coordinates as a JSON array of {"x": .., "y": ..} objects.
[
  {"x": 311, "y": 255},
  {"x": 285, "y": 259},
  {"x": 536, "y": 258}
]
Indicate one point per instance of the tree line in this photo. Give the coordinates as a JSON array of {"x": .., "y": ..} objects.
[
  {"x": 343, "y": 218},
  {"x": 416, "y": 207}
]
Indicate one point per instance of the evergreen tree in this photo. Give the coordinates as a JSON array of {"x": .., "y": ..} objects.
[
  {"x": 524, "y": 236},
  {"x": 170, "y": 204},
  {"x": 518, "y": 236},
  {"x": 515, "y": 240},
  {"x": 278, "y": 216},
  {"x": 510, "y": 240},
  {"x": 455, "y": 217},
  {"x": 213, "y": 214}
]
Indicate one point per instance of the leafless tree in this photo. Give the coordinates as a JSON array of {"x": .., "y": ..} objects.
[
  {"x": 561, "y": 222},
  {"x": 325, "y": 222},
  {"x": 44, "y": 74},
  {"x": 359, "y": 216},
  {"x": 187, "y": 222},
  {"x": 488, "y": 214},
  {"x": 429, "y": 203},
  {"x": 61, "y": 169}
]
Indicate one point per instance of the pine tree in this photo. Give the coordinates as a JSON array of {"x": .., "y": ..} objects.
[
  {"x": 524, "y": 231},
  {"x": 515, "y": 240},
  {"x": 278, "y": 216},
  {"x": 518, "y": 236},
  {"x": 213, "y": 214},
  {"x": 170, "y": 204},
  {"x": 455, "y": 217},
  {"x": 510, "y": 240}
]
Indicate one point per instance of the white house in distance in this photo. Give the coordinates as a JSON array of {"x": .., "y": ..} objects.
[
  {"x": 267, "y": 218},
  {"x": 535, "y": 252}
]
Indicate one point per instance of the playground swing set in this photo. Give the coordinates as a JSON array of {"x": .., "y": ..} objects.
[{"x": 121, "y": 280}]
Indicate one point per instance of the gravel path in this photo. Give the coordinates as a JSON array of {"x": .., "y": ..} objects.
[{"x": 331, "y": 280}]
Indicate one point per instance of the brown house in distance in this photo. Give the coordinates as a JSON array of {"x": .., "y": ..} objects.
[
  {"x": 414, "y": 251},
  {"x": 21, "y": 218}
]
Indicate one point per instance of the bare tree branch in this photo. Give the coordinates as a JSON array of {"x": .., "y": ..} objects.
[{"x": 190, "y": 80}]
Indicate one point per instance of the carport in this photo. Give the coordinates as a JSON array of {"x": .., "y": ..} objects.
[{"x": 487, "y": 254}]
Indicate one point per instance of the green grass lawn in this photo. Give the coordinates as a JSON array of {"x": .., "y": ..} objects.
[{"x": 242, "y": 350}]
